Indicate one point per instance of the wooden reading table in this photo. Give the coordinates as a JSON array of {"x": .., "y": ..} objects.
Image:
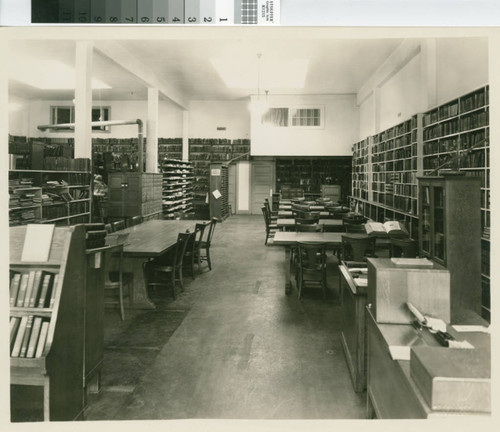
[
  {"x": 290, "y": 239},
  {"x": 149, "y": 240}
]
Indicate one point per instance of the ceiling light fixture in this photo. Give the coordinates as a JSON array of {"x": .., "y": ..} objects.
[{"x": 259, "y": 106}]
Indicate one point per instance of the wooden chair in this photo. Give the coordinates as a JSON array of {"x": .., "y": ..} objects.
[
  {"x": 167, "y": 269},
  {"x": 115, "y": 279},
  {"x": 118, "y": 225},
  {"x": 307, "y": 225},
  {"x": 204, "y": 247},
  {"x": 404, "y": 247},
  {"x": 273, "y": 215},
  {"x": 270, "y": 227},
  {"x": 136, "y": 220},
  {"x": 311, "y": 266},
  {"x": 356, "y": 247},
  {"x": 192, "y": 253},
  {"x": 354, "y": 228}
]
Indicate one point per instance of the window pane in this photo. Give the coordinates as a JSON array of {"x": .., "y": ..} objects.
[{"x": 276, "y": 117}]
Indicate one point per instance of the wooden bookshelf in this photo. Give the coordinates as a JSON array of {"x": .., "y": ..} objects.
[
  {"x": 177, "y": 195},
  {"x": 310, "y": 174},
  {"x": 452, "y": 136},
  {"x": 57, "y": 365},
  {"x": 202, "y": 153},
  {"x": 60, "y": 197},
  {"x": 450, "y": 235}
]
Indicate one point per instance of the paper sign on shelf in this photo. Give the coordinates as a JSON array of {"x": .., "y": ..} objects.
[{"x": 216, "y": 194}]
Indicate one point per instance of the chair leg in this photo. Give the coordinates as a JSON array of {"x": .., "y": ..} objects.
[
  {"x": 181, "y": 281},
  {"x": 208, "y": 259},
  {"x": 173, "y": 284},
  {"x": 192, "y": 266}
]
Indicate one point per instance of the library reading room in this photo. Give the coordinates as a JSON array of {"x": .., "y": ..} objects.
[{"x": 248, "y": 224}]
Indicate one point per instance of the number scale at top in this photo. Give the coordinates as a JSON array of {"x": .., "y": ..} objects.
[{"x": 145, "y": 12}]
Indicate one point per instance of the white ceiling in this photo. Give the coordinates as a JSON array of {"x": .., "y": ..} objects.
[{"x": 336, "y": 66}]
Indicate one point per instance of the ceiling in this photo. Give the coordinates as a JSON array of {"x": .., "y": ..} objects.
[{"x": 336, "y": 65}]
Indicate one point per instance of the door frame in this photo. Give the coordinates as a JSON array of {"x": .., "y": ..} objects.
[{"x": 270, "y": 159}]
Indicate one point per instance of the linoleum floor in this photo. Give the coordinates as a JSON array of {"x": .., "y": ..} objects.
[{"x": 231, "y": 346}]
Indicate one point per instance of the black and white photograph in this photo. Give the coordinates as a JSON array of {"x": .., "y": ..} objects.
[{"x": 228, "y": 224}]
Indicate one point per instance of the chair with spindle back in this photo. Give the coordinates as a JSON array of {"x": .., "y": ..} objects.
[
  {"x": 204, "y": 248},
  {"x": 311, "y": 266},
  {"x": 167, "y": 269}
]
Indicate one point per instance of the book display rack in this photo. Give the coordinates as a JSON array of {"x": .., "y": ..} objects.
[
  {"x": 177, "y": 188},
  {"x": 46, "y": 321}
]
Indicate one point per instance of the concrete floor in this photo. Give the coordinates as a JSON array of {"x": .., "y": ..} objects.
[{"x": 232, "y": 346}]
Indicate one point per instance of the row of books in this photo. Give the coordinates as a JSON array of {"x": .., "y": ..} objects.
[
  {"x": 467, "y": 103},
  {"x": 34, "y": 289},
  {"x": 22, "y": 217},
  {"x": 23, "y": 182},
  {"x": 28, "y": 335},
  {"x": 401, "y": 141},
  {"x": 66, "y": 164},
  {"x": 441, "y": 129},
  {"x": 395, "y": 131},
  {"x": 482, "y": 174},
  {"x": 23, "y": 199}
]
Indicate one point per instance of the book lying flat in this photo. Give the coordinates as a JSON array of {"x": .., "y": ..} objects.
[{"x": 386, "y": 229}]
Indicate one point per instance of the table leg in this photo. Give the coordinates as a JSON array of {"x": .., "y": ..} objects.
[
  {"x": 140, "y": 296},
  {"x": 288, "y": 268}
]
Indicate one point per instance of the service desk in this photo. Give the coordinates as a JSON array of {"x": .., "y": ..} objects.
[
  {"x": 391, "y": 391},
  {"x": 149, "y": 240},
  {"x": 290, "y": 239}
]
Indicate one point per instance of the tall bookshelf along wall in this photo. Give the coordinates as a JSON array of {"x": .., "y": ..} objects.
[{"x": 454, "y": 135}]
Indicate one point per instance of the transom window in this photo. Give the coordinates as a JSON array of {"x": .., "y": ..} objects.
[
  {"x": 294, "y": 117},
  {"x": 66, "y": 114}
]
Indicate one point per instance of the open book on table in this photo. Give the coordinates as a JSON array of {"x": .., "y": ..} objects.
[{"x": 386, "y": 229}]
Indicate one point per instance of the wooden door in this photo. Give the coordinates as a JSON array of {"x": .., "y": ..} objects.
[{"x": 262, "y": 182}]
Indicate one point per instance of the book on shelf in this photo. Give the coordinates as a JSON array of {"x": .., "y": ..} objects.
[
  {"x": 42, "y": 339},
  {"x": 14, "y": 326},
  {"x": 35, "y": 333},
  {"x": 14, "y": 288},
  {"x": 37, "y": 285},
  {"x": 26, "y": 337},
  {"x": 23, "y": 284},
  {"x": 29, "y": 288},
  {"x": 386, "y": 229},
  {"x": 45, "y": 291},
  {"x": 53, "y": 291},
  {"x": 16, "y": 349}
]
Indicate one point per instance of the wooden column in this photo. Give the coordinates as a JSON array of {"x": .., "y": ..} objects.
[
  {"x": 185, "y": 135},
  {"x": 152, "y": 131},
  {"x": 83, "y": 99}
]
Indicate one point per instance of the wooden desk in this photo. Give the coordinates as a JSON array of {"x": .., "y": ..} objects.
[
  {"x": 391, "y": 392},
  {"x": 290, "y": 239},
  {"x": 148, "y": 240},
  {"x": 354, "y": 295},
  {"x": 290, "y": 223},
  {"x": 289, "y": 214}
]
